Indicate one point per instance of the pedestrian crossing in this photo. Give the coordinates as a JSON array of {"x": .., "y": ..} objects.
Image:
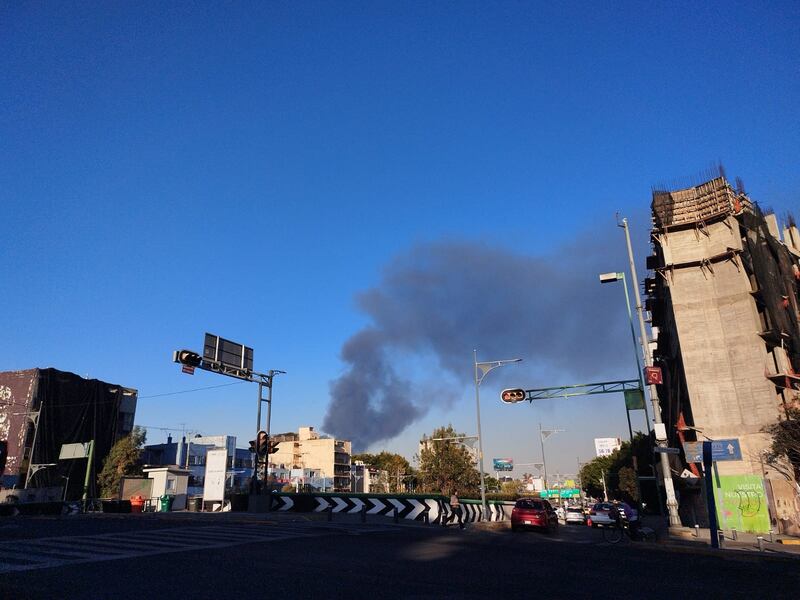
[{"x": 43, "y": 553}]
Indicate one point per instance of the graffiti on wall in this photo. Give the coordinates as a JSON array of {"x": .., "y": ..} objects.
[{"x": 742, "y": 503}]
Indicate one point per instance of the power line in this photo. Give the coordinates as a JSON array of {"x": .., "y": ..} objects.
[{"x": 210, "y": 387}]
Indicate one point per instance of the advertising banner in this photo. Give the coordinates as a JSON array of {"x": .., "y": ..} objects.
[
  {"x": 742, "y": 503},
  {"x": 503, "y": 464},
  {"x": 216, "y": 465}
]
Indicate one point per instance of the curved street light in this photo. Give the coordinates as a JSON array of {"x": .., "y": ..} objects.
[{"x": 484, "y": 368}]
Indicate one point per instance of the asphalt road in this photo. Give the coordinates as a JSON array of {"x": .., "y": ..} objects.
[{"x": 230, "y": 557}]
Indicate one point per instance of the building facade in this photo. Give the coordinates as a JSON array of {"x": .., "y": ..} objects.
[
  {"x": 367, "y": 479},
  {"x": 43, "y": 409},
  {"x": 328, "y": 458},
  {"x": 191, "y": 454},
  {"x": 724, "y": 307}
]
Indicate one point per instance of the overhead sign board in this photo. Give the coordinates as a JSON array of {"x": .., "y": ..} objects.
[
  {"x": 228, "y": 353},
  {"x": 726, "y": 449},
  {"x": 503, "y": 464},
  {"x": 563, "y": 493}
]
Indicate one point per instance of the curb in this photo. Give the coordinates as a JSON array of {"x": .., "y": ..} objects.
[{"x": 730, "y": 553}]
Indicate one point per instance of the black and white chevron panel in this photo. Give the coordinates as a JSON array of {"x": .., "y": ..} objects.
[
  {"x": 472, "y": 513},
  {"x": 415, "y": 509}
]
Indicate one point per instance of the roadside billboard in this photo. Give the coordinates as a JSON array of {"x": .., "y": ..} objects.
[{"x": 503, "y": 464}]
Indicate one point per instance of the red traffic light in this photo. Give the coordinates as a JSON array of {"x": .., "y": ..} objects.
[
  {"x": 187, "y": 357},
  {"x": 512, "y": 396}
]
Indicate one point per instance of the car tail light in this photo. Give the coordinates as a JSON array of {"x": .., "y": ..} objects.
[{"x": 589, "y": 522}]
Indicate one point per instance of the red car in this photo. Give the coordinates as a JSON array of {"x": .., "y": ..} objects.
[{"x": 535, "y": 513}]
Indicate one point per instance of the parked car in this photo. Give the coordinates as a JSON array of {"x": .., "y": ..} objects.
[
  {"x": 574, "y": 514},
  {"x": 533, "y": 513}
]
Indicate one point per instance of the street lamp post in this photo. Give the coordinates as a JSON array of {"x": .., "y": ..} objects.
[
  {"x": 669, "y": 488},
  {"x": 484, "y": 368},
  {"x": 543, "y": 435},
  {"x": 610, "y": 278}
]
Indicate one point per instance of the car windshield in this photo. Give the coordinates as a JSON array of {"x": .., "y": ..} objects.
[
  {"x": 529, "y": 504},
  {"x": 574, "y": 509},
  {"x": 602, "y": 506}
]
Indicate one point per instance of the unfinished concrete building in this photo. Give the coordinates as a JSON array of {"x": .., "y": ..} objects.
[{"x": 724, "y": 305}]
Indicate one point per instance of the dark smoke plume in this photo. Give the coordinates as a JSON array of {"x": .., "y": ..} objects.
[{"x": 441, "y": 300}]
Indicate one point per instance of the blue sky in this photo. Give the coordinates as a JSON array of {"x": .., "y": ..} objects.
[{"x": 252, "y": 169}]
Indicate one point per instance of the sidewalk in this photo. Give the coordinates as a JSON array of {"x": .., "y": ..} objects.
[{"x": 690, "y": 537}]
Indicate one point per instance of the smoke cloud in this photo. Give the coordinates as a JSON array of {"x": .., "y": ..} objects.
[{"x": 441, "y": 300}]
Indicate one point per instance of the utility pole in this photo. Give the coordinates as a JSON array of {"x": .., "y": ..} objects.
[
  {"x": 669, "y": 488},
  {"x": 605, "y": 490},
  {"x": 544, "y": 461}
]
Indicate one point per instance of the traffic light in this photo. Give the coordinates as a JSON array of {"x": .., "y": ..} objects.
[
  {"x": 262, "y": 443},
  {"x": 511, "y": 396},
  {"x": 273, "y": 447},
  {"x": 252, "y": 446},
  {"x": 187, "y": 357}
]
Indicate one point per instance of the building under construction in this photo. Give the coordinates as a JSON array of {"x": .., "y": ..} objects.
[
  {"x": 43, "y": 409},
  {"x": 723, "y": 299}
]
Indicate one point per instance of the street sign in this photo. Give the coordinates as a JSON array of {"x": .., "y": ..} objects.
[
  {"x": 563, "y": 493},
  {"x": 726, "y": 449},
  {"x": 634, "y": 400},
  {"x": 188, "y": 369},
  {"x": 653, "y": 376},
  {"x": 667, "y": 450},
  {"x": 69, "y": 451}
]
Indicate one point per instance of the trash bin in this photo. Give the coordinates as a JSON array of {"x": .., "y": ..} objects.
[
  {"x": 165, "y": 503},
  {"x": 137, "y": 504},
  {"x": 195, "y": 504}
]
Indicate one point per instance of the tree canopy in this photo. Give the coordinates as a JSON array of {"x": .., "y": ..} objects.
[
  {"x": 620, "y": 476},
  {"x": 398, "y": 469},
  {"x": 122, "y": 461},
  {"x": 446, "y": 466}
]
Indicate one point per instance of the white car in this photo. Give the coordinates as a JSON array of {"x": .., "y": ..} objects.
[
  {"x": 574, "y": 514},
  {"x": 599, "y": 517}
]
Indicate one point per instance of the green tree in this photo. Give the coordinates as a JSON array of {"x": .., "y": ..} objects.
[
  {"x": 492, "y": 483},
  {"x": 446, "y": 466},
  {"x": 618, "y": 467},
  {"x": 399, "y": 471},
  {"x": 511, "y": 487},
  {"x": 627, "y": 485},
  {"x": 783, "y": 454},
  {"x": 122, "y": 461}
]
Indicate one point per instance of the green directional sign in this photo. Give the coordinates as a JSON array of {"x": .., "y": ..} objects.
[
  {"x": 564, "y": 493},
  {"x": 634, "y": 399}
]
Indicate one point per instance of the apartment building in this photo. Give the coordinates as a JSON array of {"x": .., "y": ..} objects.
[{"x": 306, "y": 449}]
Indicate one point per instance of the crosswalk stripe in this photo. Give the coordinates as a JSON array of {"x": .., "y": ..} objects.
[{"x": 40, "y": 553}]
